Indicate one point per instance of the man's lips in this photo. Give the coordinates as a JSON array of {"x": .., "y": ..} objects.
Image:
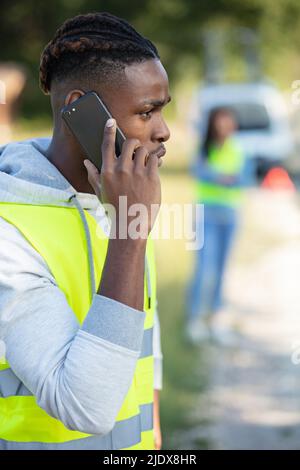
[{"x": 160, "y": 152}]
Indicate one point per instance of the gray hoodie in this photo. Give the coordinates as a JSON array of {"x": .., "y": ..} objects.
[{"x": 44, "y": 342}]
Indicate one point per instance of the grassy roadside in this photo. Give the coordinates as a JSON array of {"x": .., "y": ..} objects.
[{"x": 185, "y": 371}]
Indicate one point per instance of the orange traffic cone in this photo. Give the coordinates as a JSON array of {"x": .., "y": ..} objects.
[{"x": 278, "y": 178}]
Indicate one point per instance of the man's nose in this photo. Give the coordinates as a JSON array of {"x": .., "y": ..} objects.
[{"x": 162, "y": 133}]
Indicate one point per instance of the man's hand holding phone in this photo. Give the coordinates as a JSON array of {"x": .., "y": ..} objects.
[{"x": 134, "y": 174}]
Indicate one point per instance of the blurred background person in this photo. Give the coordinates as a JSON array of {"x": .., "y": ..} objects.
[
  {"x": 220, "y": 170},
  {"x": 12, "y": 82}
]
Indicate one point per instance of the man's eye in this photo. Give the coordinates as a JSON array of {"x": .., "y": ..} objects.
[{"x": 146, "y": 114}]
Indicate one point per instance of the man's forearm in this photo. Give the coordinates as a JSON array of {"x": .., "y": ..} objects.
[
  {"x": 123, "y": 272},
  {"x": 156, "y": 405}
]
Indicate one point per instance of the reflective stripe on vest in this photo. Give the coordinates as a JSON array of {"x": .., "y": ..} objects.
[
  {"x": 124, "y": 434},
  {"x": 228, "y": 160},
  {"x": 57, "y": 233},
  {"x": 89, "y": 443}
]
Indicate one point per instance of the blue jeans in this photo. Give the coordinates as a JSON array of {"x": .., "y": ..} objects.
[{"x": 204, "y": 294}]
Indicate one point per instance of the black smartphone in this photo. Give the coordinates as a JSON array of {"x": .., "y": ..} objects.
[{"x": 86, "y": 118}]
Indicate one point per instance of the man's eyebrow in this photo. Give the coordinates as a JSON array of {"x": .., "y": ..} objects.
[{"x": 157, "y": 102}]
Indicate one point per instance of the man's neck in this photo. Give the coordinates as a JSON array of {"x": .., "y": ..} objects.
[{"x": 68, "y": 158}]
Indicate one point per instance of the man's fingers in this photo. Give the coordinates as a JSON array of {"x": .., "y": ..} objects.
[
  {"x": 152, "y": 165},
  {"x": 140, "y": 159},
  {"x": 128, "y": 147},
  {"x": 93, "y": 172},
  {"x": 108, "y": 144},
  {"x": 93, "y": 175}
]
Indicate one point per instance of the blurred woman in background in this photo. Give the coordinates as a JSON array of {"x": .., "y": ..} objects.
[{"x": 219, "y": 170}]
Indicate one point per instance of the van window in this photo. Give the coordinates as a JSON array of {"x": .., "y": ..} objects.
[{"x": 251, "y": 116}]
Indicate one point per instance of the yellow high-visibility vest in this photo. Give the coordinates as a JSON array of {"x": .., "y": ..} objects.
[
  {"x": 227, "y": 159},
  {"x": 57, "y": 233}
]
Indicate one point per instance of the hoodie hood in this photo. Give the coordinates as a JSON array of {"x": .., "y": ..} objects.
[{"x": 27, "y": 176}]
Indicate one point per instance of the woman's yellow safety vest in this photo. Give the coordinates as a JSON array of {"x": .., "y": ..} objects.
[
  {"x": 227, "y": 159},
  {"x": 57, "y": 233}
]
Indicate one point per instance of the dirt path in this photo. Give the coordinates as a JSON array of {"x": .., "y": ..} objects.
[{"x": 253, "y": 398}]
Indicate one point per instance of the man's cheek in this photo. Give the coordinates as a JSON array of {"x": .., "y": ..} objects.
[{"x": 135, "y": 130}]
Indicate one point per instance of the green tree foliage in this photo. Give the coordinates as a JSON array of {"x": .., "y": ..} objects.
[{"x": 174, "y": 25}]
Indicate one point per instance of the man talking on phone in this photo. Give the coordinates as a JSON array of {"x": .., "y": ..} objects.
[{"x": 79, "y": 331}]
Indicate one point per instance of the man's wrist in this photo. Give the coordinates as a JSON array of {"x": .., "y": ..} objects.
[{"x": 125, "y": 245}]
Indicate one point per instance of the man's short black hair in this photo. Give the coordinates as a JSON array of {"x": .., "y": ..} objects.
[{"x": 92, "y": 48}]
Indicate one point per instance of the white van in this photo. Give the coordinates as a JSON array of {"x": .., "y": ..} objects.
[{"x": 263, "y": 125}]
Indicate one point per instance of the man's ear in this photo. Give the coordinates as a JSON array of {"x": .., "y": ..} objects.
[{"x": 73, "y": 95}]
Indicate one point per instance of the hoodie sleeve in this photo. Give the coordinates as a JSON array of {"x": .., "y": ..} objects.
[{"x": 79, "y": 374}]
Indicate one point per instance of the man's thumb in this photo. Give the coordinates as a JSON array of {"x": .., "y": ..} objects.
[{"x": 93, "y": 174}]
